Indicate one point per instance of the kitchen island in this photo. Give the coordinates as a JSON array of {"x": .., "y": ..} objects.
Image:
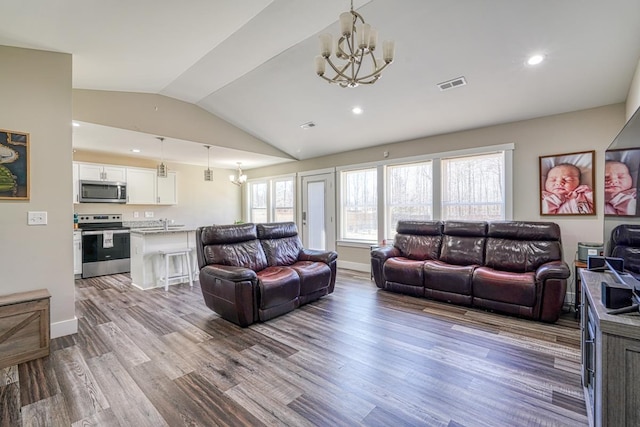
[{"x": 147, "y": 266}]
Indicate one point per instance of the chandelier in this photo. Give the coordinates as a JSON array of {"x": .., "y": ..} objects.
[
  {"x": 238, "y": 179},
  {"x": 355, "y": 50},
  {"x": 162, "y": 168},
  {"x": 208, "y": 174}
]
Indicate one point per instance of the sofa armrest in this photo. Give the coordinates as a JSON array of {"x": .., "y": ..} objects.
[
  {"x": 378, "y": 258},
  {"x": 317, "y": 256},
  {"x": 385, "y": 252},
  {"x": 553, "y": 270},
  {"x": 229, "y": 272}
]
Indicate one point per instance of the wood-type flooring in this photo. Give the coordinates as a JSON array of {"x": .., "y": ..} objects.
[{"x": 357, "y": 357}]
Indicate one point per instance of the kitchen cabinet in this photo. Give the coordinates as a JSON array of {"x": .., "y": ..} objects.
[
  {"x": 167, "y": 192},
  {"x": 98, "y": 172},
  {"x": 610, "y": 357},
  {"x": 77, "y": 252},
  {"x": 141, "y": 186},
  {"x": 145, "y": 188},
  {"x": 76, "y": 183}
]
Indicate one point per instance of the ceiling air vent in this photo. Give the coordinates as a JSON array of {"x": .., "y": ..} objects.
[
  {"x": 450, "y": 84},
  {"x": 307, "y": 125}
]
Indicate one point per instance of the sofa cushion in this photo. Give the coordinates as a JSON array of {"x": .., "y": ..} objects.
[
  {"x": 235, "y": 244},
  {"x": 520, "y": 256},
  {"x": 449, "y": 278},
  {"x": 280, "y": 242},
  {"x": 503, "y": 286},
  {"x": 314, "y": 277},
  {"x": 404, "y": 270},
  {"x": 462, "y": 250},
  {"x": 278, "y": 289},
  {"x": 463, "y": 242}
]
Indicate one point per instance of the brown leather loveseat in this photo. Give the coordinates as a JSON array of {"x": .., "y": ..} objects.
[
  {"x": 255, "y": 272},
  {"x": 513, "y": 267}
]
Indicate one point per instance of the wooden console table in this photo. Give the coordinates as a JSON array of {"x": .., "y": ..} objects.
[
  {"x": 610, "y": 347},
  {"x": 24, "y": 327}
]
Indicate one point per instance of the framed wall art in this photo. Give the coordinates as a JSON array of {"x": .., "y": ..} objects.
[
  {"x": 14, "y": 165},
  {"x": 621, "y": 168},
  {"x": 566, "y": 184}
]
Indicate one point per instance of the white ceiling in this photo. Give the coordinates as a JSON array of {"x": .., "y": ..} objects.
[{"x": 251, "y": 63}]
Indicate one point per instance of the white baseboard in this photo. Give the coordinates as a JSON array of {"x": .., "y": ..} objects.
[
  {"x": 354, "y": 266},
  {"x": 66, "y": 327}
]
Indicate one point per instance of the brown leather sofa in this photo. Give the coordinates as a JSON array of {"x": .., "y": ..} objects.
[
  {"x": 513, "y": 267},
  {"x": 255, "y": 272}
]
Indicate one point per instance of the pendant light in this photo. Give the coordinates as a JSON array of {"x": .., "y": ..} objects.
[
  {"x": 162, "y": 168},
  {"x": 238, "y": 179},
  {"x": 208, "y": 174}
]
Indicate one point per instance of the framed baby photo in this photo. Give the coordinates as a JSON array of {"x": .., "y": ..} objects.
[
  {"x": 14, "y": 165},
  {"x": 621, "y": 182},
  {"x": 566, "y": 184}
]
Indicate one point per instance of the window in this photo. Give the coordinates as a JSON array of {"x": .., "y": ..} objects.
[
  {"x": 271, "y": 200},
  {"x": 359, "y": 219},
  {"x": 258, "y": 202},
  {"x": 472, "y": 184},
  {"x": 283, "y": 200},
  {"x": 473, "y": 187},
  {"x": 409, "y": 194}
]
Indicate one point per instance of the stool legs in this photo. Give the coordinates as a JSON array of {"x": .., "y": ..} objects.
[
  {"x": 188, "y": 253},
  {"x": 185, "y": 255}
]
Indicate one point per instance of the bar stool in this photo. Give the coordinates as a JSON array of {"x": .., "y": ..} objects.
[{"x": 185, "y": 253}]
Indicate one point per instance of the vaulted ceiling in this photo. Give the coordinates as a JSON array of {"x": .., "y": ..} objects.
[{"x": 251, "y": 63}]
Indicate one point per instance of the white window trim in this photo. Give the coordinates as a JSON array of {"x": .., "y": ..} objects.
[
  {"x": 506, "y": 148},
  {"x": 246, "y": 196}
]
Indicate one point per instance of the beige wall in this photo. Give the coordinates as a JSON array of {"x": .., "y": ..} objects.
[
  {"x": 199, "y": 202},
  {"x": 35, "y": 88},
  {"x": 633, "y": 98},
  {"x": 586, "y": 130}
]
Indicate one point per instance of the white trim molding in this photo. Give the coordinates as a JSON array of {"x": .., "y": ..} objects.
[{"x": 66, "y": 327}]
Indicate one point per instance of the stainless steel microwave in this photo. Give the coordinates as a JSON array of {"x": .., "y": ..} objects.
[{"x": 103, "y": 192}]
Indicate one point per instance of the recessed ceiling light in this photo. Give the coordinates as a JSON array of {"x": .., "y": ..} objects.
[
  {"x": 356, "y": 110},
  {"x": 535, "y": 59},
  {"x": 135, "y": 150}
]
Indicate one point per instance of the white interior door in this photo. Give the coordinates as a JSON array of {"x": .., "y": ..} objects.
[{"x": 318, "y": 211}]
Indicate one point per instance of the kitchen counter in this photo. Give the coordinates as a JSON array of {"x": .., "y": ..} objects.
[
  {"x": 147, "y": 267},
  {"x": 160, "y": 230}
]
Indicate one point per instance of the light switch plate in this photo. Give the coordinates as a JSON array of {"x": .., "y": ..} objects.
[
  {"x": 148, "y": 214},
  {"x": 37, "y": 218}
]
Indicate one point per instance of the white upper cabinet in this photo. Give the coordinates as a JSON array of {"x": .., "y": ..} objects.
[
  {"x": 97, "y": 172},
  {"x": 167, "y": 190},
  {"x": 141, "y": 186}
]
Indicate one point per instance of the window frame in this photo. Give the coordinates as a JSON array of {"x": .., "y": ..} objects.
[
  {"x": 270, "y": 208},
  {"x": 506, "y": 149}
]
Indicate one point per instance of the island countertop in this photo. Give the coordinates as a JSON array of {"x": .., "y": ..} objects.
[{"x": 160, "y": 230}]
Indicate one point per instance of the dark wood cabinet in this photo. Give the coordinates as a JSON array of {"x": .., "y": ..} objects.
[{"x": 610, "y": 358}]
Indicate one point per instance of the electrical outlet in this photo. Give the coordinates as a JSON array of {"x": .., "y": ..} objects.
[
  {"x": 37, "y": 218},
  {"x": 136, "y": 214},
  {"x": 148, "y": 214}
]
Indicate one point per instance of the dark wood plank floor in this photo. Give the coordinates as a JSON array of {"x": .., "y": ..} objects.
[{"x": 357, "y": 357}]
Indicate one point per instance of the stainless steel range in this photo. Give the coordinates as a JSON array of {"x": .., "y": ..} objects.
[{"x": 105, "y": 245}]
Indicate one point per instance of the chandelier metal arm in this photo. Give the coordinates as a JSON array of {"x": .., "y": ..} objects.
[{"x": 355, "y": 44}]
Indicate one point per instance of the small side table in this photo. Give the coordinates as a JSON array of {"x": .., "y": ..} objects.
[{"x": 577, "y": 265}]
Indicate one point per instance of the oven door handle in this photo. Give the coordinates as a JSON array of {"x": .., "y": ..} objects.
[{"x": 101, "y": 232}]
